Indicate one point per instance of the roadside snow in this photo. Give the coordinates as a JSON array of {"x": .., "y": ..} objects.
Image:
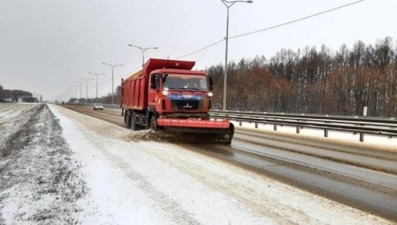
[
  {"x": 347, "y": 138},
  {"x": 146, "y": 182},
  {"x": 19, "y": 115},
  {"x": 40, "y": 184},
  {"x": 11, "y": 110},
  {"x": 63, "y": 167}
]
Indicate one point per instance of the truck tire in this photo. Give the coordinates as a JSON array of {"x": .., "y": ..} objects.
[
  {"x": 226, "y": 138},
  {"x": 153, "y": 123},
  {"x": 127, "y": 120},
  {"x": 231, "y": 134},
  {"x": 133, "y": 124}
]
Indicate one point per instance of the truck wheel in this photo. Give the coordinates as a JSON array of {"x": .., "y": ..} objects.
[
  {"x": 230, "y": 134},
  {"x": 226, "y": 138},
  {"x": 153, "y": 123},
  {"x": 134, "y": 126},
  {"x": 127, "y": 120}
]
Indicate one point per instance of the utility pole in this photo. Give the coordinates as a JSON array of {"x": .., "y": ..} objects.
[
  {"x": 143, "y": 51},
  {"x": 112, "y": 66},
  {"x": 96, "y": 76},
  {"x": 75, "y": 91},
  {"x": 228, "y": 4},
  {"x": 79, "y": 83},
  {"x": 86, "y": 87}
]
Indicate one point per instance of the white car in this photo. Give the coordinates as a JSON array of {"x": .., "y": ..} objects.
[{"x": 97, "y": 106}]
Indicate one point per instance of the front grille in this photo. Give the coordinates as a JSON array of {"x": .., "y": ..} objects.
[{"x": 186, "y": 104}]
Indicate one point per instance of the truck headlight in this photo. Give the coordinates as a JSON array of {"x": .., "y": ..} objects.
[{"x": 165, "y": 92}]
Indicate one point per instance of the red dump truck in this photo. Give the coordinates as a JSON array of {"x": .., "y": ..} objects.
[{"x": 169, "y": 95}]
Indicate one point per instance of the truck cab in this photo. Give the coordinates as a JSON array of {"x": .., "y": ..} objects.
[{"x": 181, "y": 91}]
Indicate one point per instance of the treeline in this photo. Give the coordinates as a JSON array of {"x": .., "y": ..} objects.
[
  {"x": 314, "y": 80},
  {"x": 12, "y": 95}
]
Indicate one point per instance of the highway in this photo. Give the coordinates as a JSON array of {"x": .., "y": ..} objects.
[{"x": 363, "y": 178}]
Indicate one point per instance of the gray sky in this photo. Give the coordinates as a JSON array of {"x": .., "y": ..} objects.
[{"x": 48, "y": 45}]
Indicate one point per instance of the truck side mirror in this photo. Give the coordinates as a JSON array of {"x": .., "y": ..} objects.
[
  {"x": 210, "y": 83},
  {"x": 157, "y": 83}
]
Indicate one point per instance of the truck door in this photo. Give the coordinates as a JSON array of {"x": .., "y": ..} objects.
[{"x": 154, "y": 88}]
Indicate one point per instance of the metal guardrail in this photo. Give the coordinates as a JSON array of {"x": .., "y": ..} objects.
[
  {"x": 361, "y": 125},
  {"x": 355, "y": 124}
]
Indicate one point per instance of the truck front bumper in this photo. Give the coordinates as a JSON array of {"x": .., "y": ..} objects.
[
  {"x": 193, "y": 123},
  {"x": 219, "y": 131}
]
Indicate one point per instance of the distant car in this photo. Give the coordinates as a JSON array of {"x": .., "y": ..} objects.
[{"x": 97, "y": 106}]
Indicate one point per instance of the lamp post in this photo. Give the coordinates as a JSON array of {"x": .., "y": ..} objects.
[
  {"x": 75, "y": 91},
  {"x": 86, "y": 87},
  {"x": 143, "y": 51},
  {"x": 112, "y": 66},
  {"x": 228, "y": 4},
  {"x": 96, "y": 76},
  {"x": 79, "y": 84},
  {"x": 70, "y": 93}
]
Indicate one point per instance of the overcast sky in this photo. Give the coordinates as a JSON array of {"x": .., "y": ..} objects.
[{"x": 48, "y": 45}]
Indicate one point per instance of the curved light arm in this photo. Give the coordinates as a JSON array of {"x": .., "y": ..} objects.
[
  {"x": 112, "y": 65},
  {"x": 143, "y": 51},
  {"x": 86, "y": 79},
  {"x": 230, "y": 3},
  {"x": 96, "y": 74},
  {"x": 142, "y": 48}
]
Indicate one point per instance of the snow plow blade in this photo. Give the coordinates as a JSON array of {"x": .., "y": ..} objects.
[{"x": 218, "y": 131}]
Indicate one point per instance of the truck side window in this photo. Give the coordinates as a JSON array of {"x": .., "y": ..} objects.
[{"x": 153, "y": 83}]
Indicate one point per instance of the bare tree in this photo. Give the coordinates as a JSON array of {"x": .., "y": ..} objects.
[{"x": 314, "y": 81}]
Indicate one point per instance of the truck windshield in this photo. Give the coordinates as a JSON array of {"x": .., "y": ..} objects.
[{"x": 185, "y": 82}]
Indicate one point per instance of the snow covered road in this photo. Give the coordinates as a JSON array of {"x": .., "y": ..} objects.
[{"x": 75, "y": 169}]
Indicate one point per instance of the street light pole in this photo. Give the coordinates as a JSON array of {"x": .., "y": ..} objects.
[
  {"x": 143, "y": 51},
  {"x": 74, "y": 86},
  {"x": 75, "y": 91},
  {"x": 86, "y": 87},
  {"x": 228, "y": 4},
  {"x": 96, "y": 76},
  {"x": 112, "y": 66},
  {"x": 79, "y": 83},
  {"x": 70, "y": 93}
]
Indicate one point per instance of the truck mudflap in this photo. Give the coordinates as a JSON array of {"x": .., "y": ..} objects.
[{"x": 210, "y": 130}]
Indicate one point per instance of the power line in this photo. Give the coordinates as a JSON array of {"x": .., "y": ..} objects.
[
  {"x": 297, "y": 20},
  {"x": 257, "y": 31},
  {"x": 201, "y": 49},
  {"x": 276, "y": 26}
]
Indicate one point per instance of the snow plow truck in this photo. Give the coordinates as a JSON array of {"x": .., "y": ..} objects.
[{"x": 169, "y": 95}]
